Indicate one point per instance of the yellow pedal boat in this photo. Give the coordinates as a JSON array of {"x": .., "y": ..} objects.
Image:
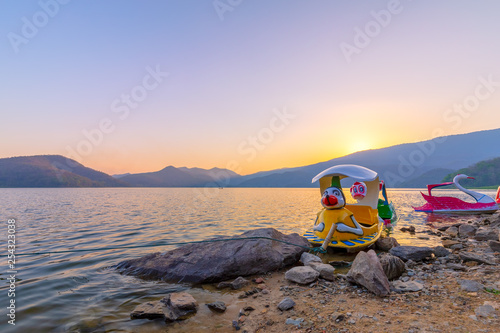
[{"x": 342, "y": 224}]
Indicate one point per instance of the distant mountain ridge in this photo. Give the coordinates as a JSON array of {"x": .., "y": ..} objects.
[
  {"x": 486, "y": 173},
  {"x": 404, "y": 165},
  {"x": 181, "y": 177},
  {"x": 51, "y": 171}
]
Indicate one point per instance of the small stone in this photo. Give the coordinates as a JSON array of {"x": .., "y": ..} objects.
[
  {"x": 325, "y": 271},
  {"x": 449, "y": 243},
  {"x": 466, "y": 230},
  {"x": 259, "y": 280},
  {"x": 452, "y": 231},
  {"x": 470, "y": 285},
  {"x": 456, "y": 267},
  {"x": 393, "y": 266},
  {"x": 484, "y": 234},
  {"x": 410, "y": 229},
  {"x": 469, "y": 256},
  {"x": 217, "y": 306},
  {"x": 286, "y": 304},
  {"x": 307, "y": 258},
  {"x": 302, "y": 275},
  {"x": 440, "y": 251},
  {"x": 494, "y": 245},
  {"x": 400, "y": 286},
  {"x": 296, "y": 322},
  {"x": 386, "y": 243},
  {"x": 484, "y": 311}
]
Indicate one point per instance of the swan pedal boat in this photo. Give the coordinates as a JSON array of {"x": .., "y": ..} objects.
[
  {"x": 442, "y": 204},
  {"x": 367, "y": 226}
]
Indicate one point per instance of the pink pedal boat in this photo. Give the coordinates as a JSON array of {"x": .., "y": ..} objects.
[{"x": 437, "y": 204}]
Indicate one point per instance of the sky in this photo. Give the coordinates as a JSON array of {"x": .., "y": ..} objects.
[{"x": 134, "y": 86}]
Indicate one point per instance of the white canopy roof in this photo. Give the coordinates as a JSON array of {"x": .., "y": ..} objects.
[{"x": 348, "y": 170}]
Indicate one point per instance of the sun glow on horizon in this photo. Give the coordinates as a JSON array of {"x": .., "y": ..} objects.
[{"x": 359, "y": 146}]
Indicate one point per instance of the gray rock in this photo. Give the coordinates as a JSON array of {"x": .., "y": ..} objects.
[
  {"x": 467, "y": 230},
  {"x": 400, "y": 286},
  {"x": 484, "y": 311},
  {"x": 236, "y": 284},
  {"x": 302, "y": 274},
  {"x": 458, "y": 246},
  {"x": 325, "y": 271},
  {"x": 367, "y": 271},
  {"x": 484, "y": 234},
  {"x": 217, "y": 306},
  {"x": 148, "y": 310},
  {"x": 307, "y": 258},
  {"x": 449, "y": 243},
  {"x": 469, "y": 256},
  {"x": 286, "y": 304},
  {"x": 456, "y": 267},
  {"x": 295, "y": 322},
  {"x": 393, "y": 266},
  {"x": 175, "y": 306},
  {"x": 414, "y": 253},
  {"x": 220, "y": 260},
  {"x": 386, "y": 243},
  {"x": 470, "y": 285},
  {"x": 494, "y": 245},
  {"x": 440, "y": 251},
  {"x": 452, "y": 231}
]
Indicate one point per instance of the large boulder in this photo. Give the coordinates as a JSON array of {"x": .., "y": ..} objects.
[
  {"x": 367, "y": 271},
  {"x": 415, "y": 253},
  {"x": 220, "y": 260}
]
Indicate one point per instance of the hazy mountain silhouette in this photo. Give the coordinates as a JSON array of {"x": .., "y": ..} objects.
[
  {"x": 181, "y": 177},
  {"x": 51, "y": 171},
  {"x": 404, "y": 165},
  {"x": 486, "y": 173}
]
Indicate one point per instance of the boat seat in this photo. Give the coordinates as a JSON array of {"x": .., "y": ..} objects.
[{"x": 365, "y": 215}]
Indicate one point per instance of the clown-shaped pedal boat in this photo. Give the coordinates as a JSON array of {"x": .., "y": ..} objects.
[{"x": 347, "y": 225}]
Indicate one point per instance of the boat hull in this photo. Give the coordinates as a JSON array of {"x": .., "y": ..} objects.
[
  {"x": 454, "y": 205},
  {"x": 360, "y": 242},
  {"x": 370, "y": 224}
]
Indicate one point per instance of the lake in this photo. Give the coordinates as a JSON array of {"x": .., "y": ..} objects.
[{"x": 82, "y": 292}]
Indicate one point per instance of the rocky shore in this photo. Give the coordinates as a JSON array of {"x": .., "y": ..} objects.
[{"x": 449, "y": 288}]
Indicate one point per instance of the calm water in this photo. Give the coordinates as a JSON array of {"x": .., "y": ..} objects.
[{"x": 82, "y": 292}]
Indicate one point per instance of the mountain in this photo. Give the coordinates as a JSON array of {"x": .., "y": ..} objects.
[
  {"x": 181, "y": 177},
  {"x": 51, "y": 171},
  {"x": 486, "y": 173},
  {"x": 404, "y": 165}
]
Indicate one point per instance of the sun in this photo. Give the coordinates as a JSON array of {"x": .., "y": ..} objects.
[{"x": 359, "y": 146}]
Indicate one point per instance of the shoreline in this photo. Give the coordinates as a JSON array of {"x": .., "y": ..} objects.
[{"x": 457, "y": 294}]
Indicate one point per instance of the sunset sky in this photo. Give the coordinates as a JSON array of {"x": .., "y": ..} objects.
[{"x": 252, "y": 85}]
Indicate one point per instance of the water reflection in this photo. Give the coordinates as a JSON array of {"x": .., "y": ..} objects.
[{"x": 100, "y": 298}]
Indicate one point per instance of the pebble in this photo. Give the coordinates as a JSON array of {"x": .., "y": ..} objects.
[{"x": 295, "y": 322}]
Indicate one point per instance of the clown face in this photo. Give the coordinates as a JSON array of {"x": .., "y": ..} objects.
[
  {"x": 333, "y": 198},
  {"x": 358, "y": 190}
]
